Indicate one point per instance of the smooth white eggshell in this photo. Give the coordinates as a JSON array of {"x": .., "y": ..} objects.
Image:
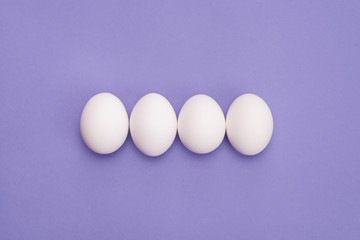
[
  {"x": 104, "y": 123},
  {"x": 201, "y": 124},
  {"x": 249, "y": 124},
  {"x": 153, "y": 124}
]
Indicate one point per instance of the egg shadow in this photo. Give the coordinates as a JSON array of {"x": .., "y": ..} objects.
[
  {"x": 191, "y": 156},
  {"x": 143, "y": 157},
  {"x": 114, "y": 156},
  {"x": 247, "y": 159}
]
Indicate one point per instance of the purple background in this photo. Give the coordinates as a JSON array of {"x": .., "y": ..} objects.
[{"x": 302, "y": 57}]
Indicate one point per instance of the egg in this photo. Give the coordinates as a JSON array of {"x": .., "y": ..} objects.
[
  {"x": 104, "y": 123},
  {"x": 201, "y": 124},
  {"x": 249, "y": 124},
  {"x": 153, "y": 124}
]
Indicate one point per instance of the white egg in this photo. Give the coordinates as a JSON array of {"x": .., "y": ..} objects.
[
  {"x": 104, "y": 123},
  {"x": 249, "y": 124},
  {"x": 201, "y": 124},
  {"x": 153, "y": 124}
]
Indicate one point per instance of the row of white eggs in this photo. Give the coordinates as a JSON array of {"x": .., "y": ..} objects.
[{"x": 201, "y": 125}]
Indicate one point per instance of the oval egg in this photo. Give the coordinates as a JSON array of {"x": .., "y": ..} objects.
[
  {"x": 201, "y": 124},
  {"x": 153, "y": 124},
  {"x": 249, "y": 124},
  {"x": 104, "y": 123}
]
